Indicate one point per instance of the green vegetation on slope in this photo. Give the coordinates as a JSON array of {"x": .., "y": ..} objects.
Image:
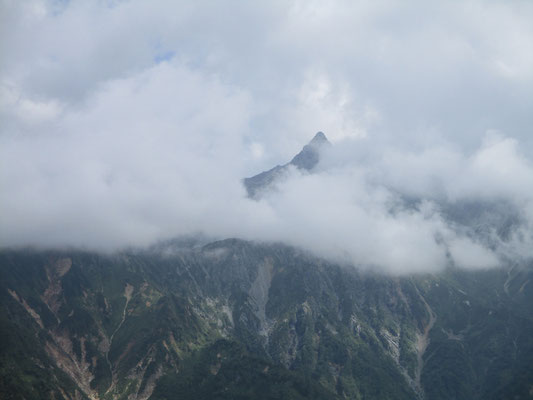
[{"x": 241, "y": 320}]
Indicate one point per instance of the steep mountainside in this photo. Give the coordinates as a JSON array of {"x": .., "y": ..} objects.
[{"x": 234, "y": 319}]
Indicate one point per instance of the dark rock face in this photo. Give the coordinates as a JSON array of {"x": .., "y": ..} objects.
[
  {"x": 234, "y": 319},
  {"x": 305, "y": 160},
  {"x": 256, "y": 184},
  {"x": 308, "y": 158}
]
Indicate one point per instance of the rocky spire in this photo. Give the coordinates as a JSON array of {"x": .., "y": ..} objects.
[
  {"x": 305, "y": 159},
  {"x": 309, "y": 156},
  {"x": 319, "y": 139}
]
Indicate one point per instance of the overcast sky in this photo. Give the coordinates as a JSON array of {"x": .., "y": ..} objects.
[{"x": 126, "y": 122}]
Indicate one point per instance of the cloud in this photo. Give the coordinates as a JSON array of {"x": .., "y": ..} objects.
[
  {"x": 347, "y": 216},
  {"x": 141, "y": 154},
  {"x": 126, "y": 122}
]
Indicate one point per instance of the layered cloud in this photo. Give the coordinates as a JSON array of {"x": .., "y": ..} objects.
[{"x": 127, "y": 122}]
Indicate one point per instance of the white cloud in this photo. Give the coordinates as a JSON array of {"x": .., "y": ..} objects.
[
  {"x": 144, "y": 153},
  {"x": 497, "y": 170},
  {"x": 471, "y": 255},
  {"x": 125, "y": 122}
]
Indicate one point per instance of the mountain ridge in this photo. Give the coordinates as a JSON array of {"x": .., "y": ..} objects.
[{"x": 305, "y": 160}]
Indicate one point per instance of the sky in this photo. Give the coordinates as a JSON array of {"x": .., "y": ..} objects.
[{"x": 127, "y": 122}]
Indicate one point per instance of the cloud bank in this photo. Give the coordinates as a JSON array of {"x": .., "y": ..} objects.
[{"x": 127, "y": 122}]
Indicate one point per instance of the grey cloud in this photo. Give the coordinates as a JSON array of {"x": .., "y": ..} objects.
[{"x": 122, "y": 123}]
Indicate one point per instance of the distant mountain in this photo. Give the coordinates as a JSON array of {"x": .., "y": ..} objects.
[{"x": 305, "y": 160}]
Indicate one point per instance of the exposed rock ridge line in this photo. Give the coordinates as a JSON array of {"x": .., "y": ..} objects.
[{"x": 305, "y": 160}]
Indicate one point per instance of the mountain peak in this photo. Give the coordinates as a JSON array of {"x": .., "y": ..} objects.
[
  {"x": 310, "y": 154},
  {"x": 319, "y": 138},
  {"x": 305, "y": 160}
]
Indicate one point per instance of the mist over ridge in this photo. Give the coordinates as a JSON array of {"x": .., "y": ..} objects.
[{"x": 445, "y": 208}]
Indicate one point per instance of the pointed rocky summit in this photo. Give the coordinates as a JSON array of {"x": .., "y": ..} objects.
[
  {"x": 319, "y": 138},
  {"x": 310, "y": 154},
  {"x": 306, "y": 159}
]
